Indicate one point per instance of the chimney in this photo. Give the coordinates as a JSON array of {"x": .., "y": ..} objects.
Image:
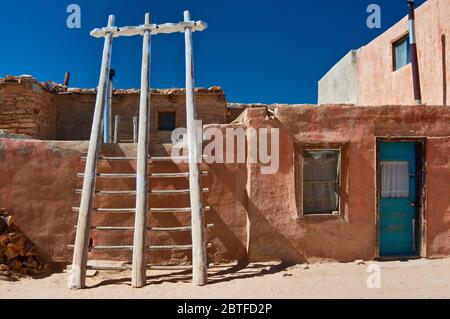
[{"x": 66, "y": 79}]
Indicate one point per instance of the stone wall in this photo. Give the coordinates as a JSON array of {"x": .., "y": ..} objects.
[
  {"x": 48, "y": 111},
  {"x": 76, "y": 107},
  {"x": 26, "y": 107}
]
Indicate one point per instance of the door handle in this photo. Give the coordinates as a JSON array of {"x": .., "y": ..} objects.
[{"x": 413, "y": 204}]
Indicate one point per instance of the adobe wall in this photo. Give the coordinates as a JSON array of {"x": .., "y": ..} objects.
[
  {"x": 256, "y": 216},
  {"x": 38, "y": 184},
  {"x": 76, "y": 107},
  {"x": 27, "y": 108},
  {"x": 274, "y": 227},
  {"x": 380, "y": 85}
]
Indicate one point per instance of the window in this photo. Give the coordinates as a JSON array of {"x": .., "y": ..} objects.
[
  {"x": 321, "y": 181},
  {"x": 166, "y": 121},
  {"x": 401, "y": 53}
]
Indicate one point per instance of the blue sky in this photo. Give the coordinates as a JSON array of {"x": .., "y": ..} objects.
[{"x": 257, "y": 50}]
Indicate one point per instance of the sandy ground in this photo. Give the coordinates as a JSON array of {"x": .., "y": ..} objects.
[{"x": 412, "y": 279}]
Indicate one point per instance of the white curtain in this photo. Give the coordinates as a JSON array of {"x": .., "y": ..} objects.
[{"x": 395, "y": 179}]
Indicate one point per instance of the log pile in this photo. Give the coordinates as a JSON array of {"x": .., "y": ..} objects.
[{"x": 17, "y": 253}]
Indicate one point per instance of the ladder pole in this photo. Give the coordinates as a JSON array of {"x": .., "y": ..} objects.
[
  {"x": 77, "y": 279},
  {"x": 199, "y": 257},
  {"x": 139, "y": 278}
]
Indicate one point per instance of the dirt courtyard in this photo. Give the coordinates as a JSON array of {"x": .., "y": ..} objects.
[{"x": 411, "y": 279}]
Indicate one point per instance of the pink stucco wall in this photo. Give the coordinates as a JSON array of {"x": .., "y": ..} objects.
[
  {"x": 380, "y": 85},
  {"x": 256, "y": 216}
]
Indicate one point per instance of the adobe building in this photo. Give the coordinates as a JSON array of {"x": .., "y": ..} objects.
[
  {"x": 363, "y": 181},
  {"x": 379, "y": 73}
]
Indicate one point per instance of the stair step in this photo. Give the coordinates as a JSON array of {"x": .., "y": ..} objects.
[
  {"x": 133, "y": 210},
  {"x": 152, "y": 192}
]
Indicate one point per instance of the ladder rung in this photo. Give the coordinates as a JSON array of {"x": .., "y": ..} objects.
[
  {"x": 106, "y": 267},
  {"x": 175, "y": 175},
  {"x": 133, "y": 175},
  {"x": 152, "y": 192},
  {"x": 109, "y": 210},
  {"x": 112, "y": 158},
  {"x": 173, "y": 247},
  {"x": 126, "y": 247},
  {"x": 133, "y": 210},
  {"x": 170, "y": 247},
  {"x": 107, "y": 247},
  {"x": 129, "y": 193},
  {"x": 155, "y": 229},
  {"x": 175, "y": 210},
  {"x": 111, "y": 228},
  {"x": 173, "y": 191},
  {"x": 112, "y": 175},
  {"x": 171, "y": 159},
  {"x": 175, "y": 229},
  {"x": 132, "y": 158}
]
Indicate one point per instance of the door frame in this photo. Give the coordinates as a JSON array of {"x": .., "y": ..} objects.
[{"x": 421, "y": 245}]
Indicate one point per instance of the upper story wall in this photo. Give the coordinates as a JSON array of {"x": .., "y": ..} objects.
[
  {"x": 76, "y": 107},
  {"x": 340, "y": 85},
  {"x": 377, "y": 83},
  {"x": 48, "y": 111}
]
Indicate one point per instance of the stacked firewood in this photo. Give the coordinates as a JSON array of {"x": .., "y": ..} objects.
[{"x": 17, "y": 252}]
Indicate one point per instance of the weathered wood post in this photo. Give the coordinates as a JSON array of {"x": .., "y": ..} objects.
[
  {"x": 77, "y": 279},
  {"x": 135, "y": 129},
  {"x": 199, "y": 257},
  {"x": 139, "y": 271},
  {"x": 116, "y": 129}
]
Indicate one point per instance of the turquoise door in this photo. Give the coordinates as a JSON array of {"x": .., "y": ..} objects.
[{"x": 398, "y": 200}]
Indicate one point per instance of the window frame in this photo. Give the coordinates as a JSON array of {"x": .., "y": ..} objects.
[
  {"x": 299, "y": 181},
  {"x": 394, "y": 45},
  {"x": 158, "y": 119}
]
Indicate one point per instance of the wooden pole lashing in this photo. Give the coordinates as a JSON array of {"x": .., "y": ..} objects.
[
  {"x": 140, "y": 230},
  {"x": 199, "y": 257},
  {"x": 77, "y": 278}
]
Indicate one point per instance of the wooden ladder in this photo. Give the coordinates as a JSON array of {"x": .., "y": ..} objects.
[{"x": 77, "y": 278}]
